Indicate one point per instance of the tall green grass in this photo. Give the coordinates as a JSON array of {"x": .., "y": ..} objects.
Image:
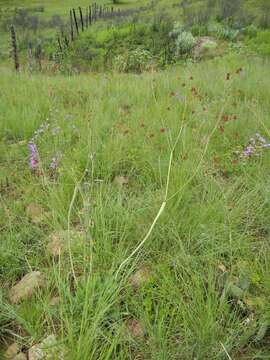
[{"x": 212, "y": 234}]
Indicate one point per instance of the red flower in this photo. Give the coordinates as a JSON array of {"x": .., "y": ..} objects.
[
  {"x": 225, "y": 118},
  {"x": 162, "y": 130}
]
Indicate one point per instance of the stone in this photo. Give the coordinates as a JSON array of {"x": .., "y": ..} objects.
[
  {"x": 44, "y": 350},
  {"x": 35, "y": 213},
  {"x": 135, "y": 329},
  {"x": 54, "y": 301},
  {"x": 204, "y": 45},
  {"x": 20, "y": 356},
  {"x": 140, "y": 277},
  {"x": 12, "y": 350},
  {"x": 24, "y": 289},
  {"x": 59, "y": 241},
  {"x": 121, "y": 180}
]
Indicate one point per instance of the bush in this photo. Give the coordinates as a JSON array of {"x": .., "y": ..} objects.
[
  {"x": 261, "y": 43},
  {"x": 184, "y": 40},
  {"x": 138, "y": 60},
  {"x": 222, "y": 32}
]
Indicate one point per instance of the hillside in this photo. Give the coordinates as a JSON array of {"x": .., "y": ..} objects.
[{"x": 134, "y": 216}]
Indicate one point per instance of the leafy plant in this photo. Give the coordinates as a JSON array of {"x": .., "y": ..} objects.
[{"x": 137, "y": 60}]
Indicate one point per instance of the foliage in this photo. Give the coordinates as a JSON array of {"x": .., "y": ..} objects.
[
  {"x": 137, "y": 61},
  {"x": 260, "y": 43},
  {"x": 184, "y": 41},
  {"x": 223, "y": 32}
]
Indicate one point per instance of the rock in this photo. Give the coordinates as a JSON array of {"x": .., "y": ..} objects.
[
  {"x": 47, "y": 349},
  {"x": 59, "y": 241},
  {"x": 203, "y": 46},
  {"x": 24, "y": 289},
  {"x": 140, "y": 277},
  {"x": 35, "y": 213},
  {"x": 54, "y": 301},
  {"x": 135, "y": 329},
  {"x": 121, "y": 180},
  {"x": 20, "y": 356},
  {"x": 12, "y": 351}
]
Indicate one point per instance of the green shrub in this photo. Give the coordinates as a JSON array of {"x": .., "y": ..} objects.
[
  {"x": 184, "y": 40},
  {"x": 137, "y": 60},
  {"x": 223, "y": 32},
  {"x": 261, "y": 43}
]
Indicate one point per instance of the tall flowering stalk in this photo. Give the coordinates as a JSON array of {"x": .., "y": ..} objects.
[{"x": 34, "y": 156}]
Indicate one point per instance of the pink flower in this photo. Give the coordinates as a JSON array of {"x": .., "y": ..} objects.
[{"x": 34, "y": 156}]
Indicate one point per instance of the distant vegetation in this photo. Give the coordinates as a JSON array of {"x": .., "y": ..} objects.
[{"x": 144, "y": 35}]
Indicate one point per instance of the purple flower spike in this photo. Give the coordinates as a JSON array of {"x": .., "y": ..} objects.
[
  {"x": 55, "y": 162},
  {"x": 34, "y": 157}
]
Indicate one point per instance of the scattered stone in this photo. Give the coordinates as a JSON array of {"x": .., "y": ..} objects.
[
  {"x": 35, "y": 212},
  {"x": 54, "y": 301},
  {"x": 46, "y": 350},
  {"x": 222, "y": 267},
  {"x": 204, "y": 46},
  {"x": 59, "y": 241},
  {"x": 12, "y": 351},
  {"x": 24, "y": 289},
  {"x": 20, "y": 356},
  {"x": 135, "y": 329},
  {"x": 140, "y": 277},
  {"x": 121, "y": 180}
]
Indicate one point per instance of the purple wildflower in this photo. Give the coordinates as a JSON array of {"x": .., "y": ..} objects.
[
  {"x": 249, "y": 150},
  {"x": 34, "y": 157},
  {"x": 55, "y": 162}
]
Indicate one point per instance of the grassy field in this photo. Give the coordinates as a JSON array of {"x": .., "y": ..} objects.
[
  {"x": 164, "y": 210},
  {"x": 134, "y": 208}
]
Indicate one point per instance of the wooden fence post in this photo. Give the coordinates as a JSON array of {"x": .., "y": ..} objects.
[
  {"x": 81, "y": 16},
  {"x": 38, "y": 56},
  {"x": 14, "y": 48},
  {"x": 71, "y": 26},
  {"x": 86, "y": 18},
  {"x": 30, "y": 57},
  {"x": 90, "y": 15},
  {"x": 59, "y": 44},
  {"x": 75, "y": 21}
]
